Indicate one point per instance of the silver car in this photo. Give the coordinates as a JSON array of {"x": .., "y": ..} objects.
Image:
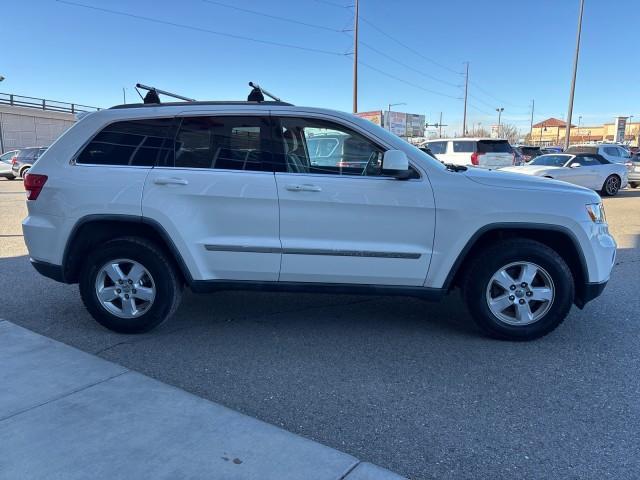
[{"x": 5, "y": 164}]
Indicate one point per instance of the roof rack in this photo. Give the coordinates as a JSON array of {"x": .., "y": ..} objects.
[{"x": 152, "y": 98}]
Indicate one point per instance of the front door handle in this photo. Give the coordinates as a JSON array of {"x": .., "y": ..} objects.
[
  {"x": 303, "y": 188},
  {"x": 170, "y": 181}
]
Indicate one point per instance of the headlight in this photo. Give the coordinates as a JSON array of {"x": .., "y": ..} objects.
[{"x": 596, "y": 212}]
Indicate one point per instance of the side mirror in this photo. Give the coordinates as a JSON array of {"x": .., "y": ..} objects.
[
  {"x": 574, "y": 165},
  {"x": 396, "y": 163}
]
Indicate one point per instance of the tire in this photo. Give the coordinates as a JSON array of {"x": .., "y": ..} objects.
[
  {"x": 611, "y": 186},
  {"x": 160, "y": 282},
  {"x": 23, "y": 172},
  {"x": 480, "y": 287},
  {"x": 10, "y": 177},
  {"x": 633, "y": 184}
]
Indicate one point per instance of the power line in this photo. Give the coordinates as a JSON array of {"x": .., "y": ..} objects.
[
  {"x": 275, "y": 17},
  {"x": 371, "y": 67},
  {"x": 411, "y": 49},
  {"x": 326, "y": 2},
  {"x": 203, "y": 30},
  {"x": 494, "y": 97},
  {"x": 393, "y": 59}
]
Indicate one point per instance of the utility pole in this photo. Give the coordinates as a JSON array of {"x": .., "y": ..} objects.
[
  {"x": 533, "y": 106},
  {"x": 573, "y": 79},
  {"x": 466, "y": 90},
  {"x": 499, "y": 110},
  {"x": 355, "y": 59},
  {"x": 124, "y": 96}
]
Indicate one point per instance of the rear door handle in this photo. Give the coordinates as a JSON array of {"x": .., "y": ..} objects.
[
  {"x": 170, "y": 181},
  {"x": 303, "y": 188}
]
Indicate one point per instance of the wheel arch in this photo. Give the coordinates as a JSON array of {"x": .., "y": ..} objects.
[
  {"x": 557, "y": 237},
  {"x": 93, "y": 230}
]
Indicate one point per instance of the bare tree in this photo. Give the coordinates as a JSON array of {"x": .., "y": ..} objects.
[
  {"x": 510, "y": 132},
  {"x": 478, "y": 132}
]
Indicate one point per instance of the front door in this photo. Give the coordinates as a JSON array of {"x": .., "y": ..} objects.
[
  {"x": 341, "y": 220},
  {"x": 216, "y": 197}
]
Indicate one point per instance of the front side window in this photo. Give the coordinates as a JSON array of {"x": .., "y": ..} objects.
[
  {"x": 230, "y": 143},
  {"x": 133, "y": 142},
  {"x": 586, "y": 161},
  {"x": 318, "y": 146}
]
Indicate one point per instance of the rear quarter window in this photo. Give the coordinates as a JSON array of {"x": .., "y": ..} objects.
[
  {"x": 494, "y": 146},
  {"x": 133, "y": 142}
]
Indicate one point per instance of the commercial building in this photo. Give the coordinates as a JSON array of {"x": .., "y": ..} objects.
[{"x": 553, "y": 131}]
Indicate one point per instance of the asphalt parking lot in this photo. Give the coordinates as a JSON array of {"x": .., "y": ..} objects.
[{"x": 405, "y": 384}]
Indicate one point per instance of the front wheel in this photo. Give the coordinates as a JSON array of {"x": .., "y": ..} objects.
[
  {"x": 634, "y": 184},
  {"x": 518, "y": 289},
  {"x": 129, "y": 285},
  {"x": 611, "y": 186}
]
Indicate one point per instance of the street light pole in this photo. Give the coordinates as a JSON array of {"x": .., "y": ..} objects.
[
  {"x": 499, "y": 110},
  {"x": 533, "y": 106},
  {"x": 573, "y": 79},
  {"x": 355, "y": 59},
  {"x": 389, "y": 112},
  {"x": 466, "y": 90}
]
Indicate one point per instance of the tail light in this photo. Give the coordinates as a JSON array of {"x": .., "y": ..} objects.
[
  {"x": 14, "y": 160},
  {"x": 474, "y": 158},
  {"x": 33, "y": 184}
]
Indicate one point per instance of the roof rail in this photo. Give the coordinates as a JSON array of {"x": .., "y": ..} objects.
[{"x": 201, "y": 103}]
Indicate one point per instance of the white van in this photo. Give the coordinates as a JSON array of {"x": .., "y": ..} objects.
[{"x": 482, "y": 152}]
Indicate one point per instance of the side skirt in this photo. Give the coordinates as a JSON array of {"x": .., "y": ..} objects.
[{"x": 207, "y": 286}]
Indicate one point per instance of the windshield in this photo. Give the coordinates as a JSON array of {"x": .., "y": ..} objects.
[{"x": 550, "y": 160}]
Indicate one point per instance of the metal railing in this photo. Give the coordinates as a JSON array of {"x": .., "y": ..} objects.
[{"x": 43, "y": 104}]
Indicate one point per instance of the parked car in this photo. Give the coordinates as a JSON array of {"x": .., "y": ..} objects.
[
  {"x": 546, "y": 150},
  {"x": 587, "y": 170},
  {"x": 21, "y": 163},
  {"x": 134, "y": 203},
  {"x": 634, "y": 175},
  {"x": 5, "y": 164},
  {"x": 481, "y": 152},
  {"x": 530, "y": 152},
  {"x": 612, "y": 152}
]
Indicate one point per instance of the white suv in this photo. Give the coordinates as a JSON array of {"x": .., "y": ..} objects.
[
  {"x": 480, "y": 152},
  {"x": 135, "y": 202}
]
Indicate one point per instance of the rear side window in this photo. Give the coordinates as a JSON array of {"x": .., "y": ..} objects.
[
  {"x": 134, "y": 142},
  {"x": 28, "y": 153},
  {"x": 589, "y": 150},
  {"x": 494, "y": 146},
  {"x": 230, "y": 143},
  {"x": 438, "y": 147},
  {"x": 464, "y": 147}
]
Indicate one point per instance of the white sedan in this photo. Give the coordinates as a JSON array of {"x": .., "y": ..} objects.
[{"x": 587, "y": 170}]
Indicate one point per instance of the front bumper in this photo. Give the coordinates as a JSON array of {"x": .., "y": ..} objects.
[{"x": 49, "y": 270}]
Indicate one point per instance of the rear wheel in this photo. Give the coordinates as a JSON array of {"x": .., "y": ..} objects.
[
  {"x": 129, "y": 285},
  {"x": 611, "y": 186},
  {"x": 518, "y": 289},
  {"x": 23, "y": 172},
  {"x": 634, "y": 184}
]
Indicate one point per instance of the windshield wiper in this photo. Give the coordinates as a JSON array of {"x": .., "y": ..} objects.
[{"x": 455, "y": 168}]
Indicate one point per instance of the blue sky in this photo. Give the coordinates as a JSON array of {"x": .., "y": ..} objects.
[{"x": 518, "y": 50}]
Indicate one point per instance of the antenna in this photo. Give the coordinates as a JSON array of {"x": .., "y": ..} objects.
[
  {"x": 152, "y": 95},
  {"x": 258, "y": 92}
]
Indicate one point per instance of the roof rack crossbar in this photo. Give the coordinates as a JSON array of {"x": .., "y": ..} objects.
[
  {"x": 262, "y": 90},
  {"x": 164, "y": 92}
]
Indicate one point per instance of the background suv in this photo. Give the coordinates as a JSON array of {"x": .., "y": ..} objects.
[
  {"x": 136, "y": 202},
  {"x": 610, "y": 151},
  {"x": 481, "y": 152}
]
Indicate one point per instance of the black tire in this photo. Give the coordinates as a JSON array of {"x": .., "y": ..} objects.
[
  {"x": 497, "y": 256},
  {"x": 167, "y": 281},
  {"x": 10, "y": 177},
  {"x": 634, "y": 184},
  {"x": 611, "y": 186}
]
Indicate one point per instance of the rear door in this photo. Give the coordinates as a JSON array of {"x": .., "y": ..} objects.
[
  {"x": 494, "y": 153},
  {"x": 216, "y": 197},
  {"x": 349, "y": 224}
]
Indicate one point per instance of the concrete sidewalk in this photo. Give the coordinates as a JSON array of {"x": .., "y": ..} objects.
[{"x": 65, "y": 414}]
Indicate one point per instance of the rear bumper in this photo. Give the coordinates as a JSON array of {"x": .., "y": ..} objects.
[
  {"x": 589, "y": 292},
  {"x": 49, "y": 270}
]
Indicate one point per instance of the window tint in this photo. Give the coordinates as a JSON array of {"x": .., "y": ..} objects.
[
  {"x": 550, "y": 160},
  {"x": 586, "y": 160},
  {"x": 579, "y": 149},
  {"x": 464, "y": 147},
  {"x": 232, "y": 143},
  {"x": 438, "y": 147},
  {"x": 613, "y": 151},
  {"x": 494, "y": 146},
  {"x": 27, "y": 153},
  {"x": 346, "y": 152},
  {"x": 134, "y": 142}
]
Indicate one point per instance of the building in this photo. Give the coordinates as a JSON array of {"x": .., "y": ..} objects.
[
  {"x": 34, "y": 122},
  {"x": 553, "y": 131}
]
